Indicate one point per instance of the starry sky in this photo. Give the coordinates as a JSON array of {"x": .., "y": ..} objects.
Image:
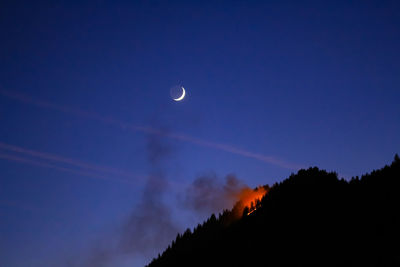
[{"x": 272, "y": 87}]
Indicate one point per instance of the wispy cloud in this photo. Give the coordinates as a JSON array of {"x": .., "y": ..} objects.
[
  {"x": 74, "y": 162},
  {"x": 44, "y": 164},
  {"x": 149, "y": 130}
]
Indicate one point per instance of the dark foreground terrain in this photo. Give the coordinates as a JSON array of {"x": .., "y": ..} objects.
[{"x": 311, "y": 218}]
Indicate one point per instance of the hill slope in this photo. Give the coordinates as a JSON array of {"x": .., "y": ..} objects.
[{"x": 312, "y": 217}]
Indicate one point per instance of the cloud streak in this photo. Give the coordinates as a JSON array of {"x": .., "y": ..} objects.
[
  {"x": 74, "y": 162},
  {"x": 149, "y": 130},
  {"x": 28, "y": 161}
]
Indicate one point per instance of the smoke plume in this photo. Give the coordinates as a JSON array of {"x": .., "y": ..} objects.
[
  {"x": 207, "y": 194},
  {"x": 149, "y": 228}
]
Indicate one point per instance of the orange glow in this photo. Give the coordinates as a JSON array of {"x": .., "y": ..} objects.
[{"x": 249, "y": 198}]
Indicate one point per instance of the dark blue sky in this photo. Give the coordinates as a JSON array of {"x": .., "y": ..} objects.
[{"x": 270, "y": 86}]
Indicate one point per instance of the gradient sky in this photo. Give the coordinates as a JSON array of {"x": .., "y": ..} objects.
[{"x": 271, "y": 86}]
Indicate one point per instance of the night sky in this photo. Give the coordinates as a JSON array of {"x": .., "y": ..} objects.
[{"x": 86, "y": 114}]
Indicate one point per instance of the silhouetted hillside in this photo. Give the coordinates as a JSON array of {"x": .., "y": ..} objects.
[{"x": 312, "y": 217}]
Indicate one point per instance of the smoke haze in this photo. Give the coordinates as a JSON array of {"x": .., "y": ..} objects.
[
  {"x": 149, "y": 228},
  {"x": 207, "y": 194}
]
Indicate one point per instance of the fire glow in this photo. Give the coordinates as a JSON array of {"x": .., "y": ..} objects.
[{"x": 249, "y": 199}]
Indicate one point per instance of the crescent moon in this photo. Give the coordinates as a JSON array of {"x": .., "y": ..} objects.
[{"x": 182, "y": 96}]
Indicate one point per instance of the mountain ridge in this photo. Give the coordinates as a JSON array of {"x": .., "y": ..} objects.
[{"x": 312, "y": 217}]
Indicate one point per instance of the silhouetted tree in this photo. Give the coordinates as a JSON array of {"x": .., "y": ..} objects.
[{"x": 310, "y": 218}]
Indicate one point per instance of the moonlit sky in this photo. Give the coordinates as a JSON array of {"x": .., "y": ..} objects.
[{"x": 270, "y": 86}]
